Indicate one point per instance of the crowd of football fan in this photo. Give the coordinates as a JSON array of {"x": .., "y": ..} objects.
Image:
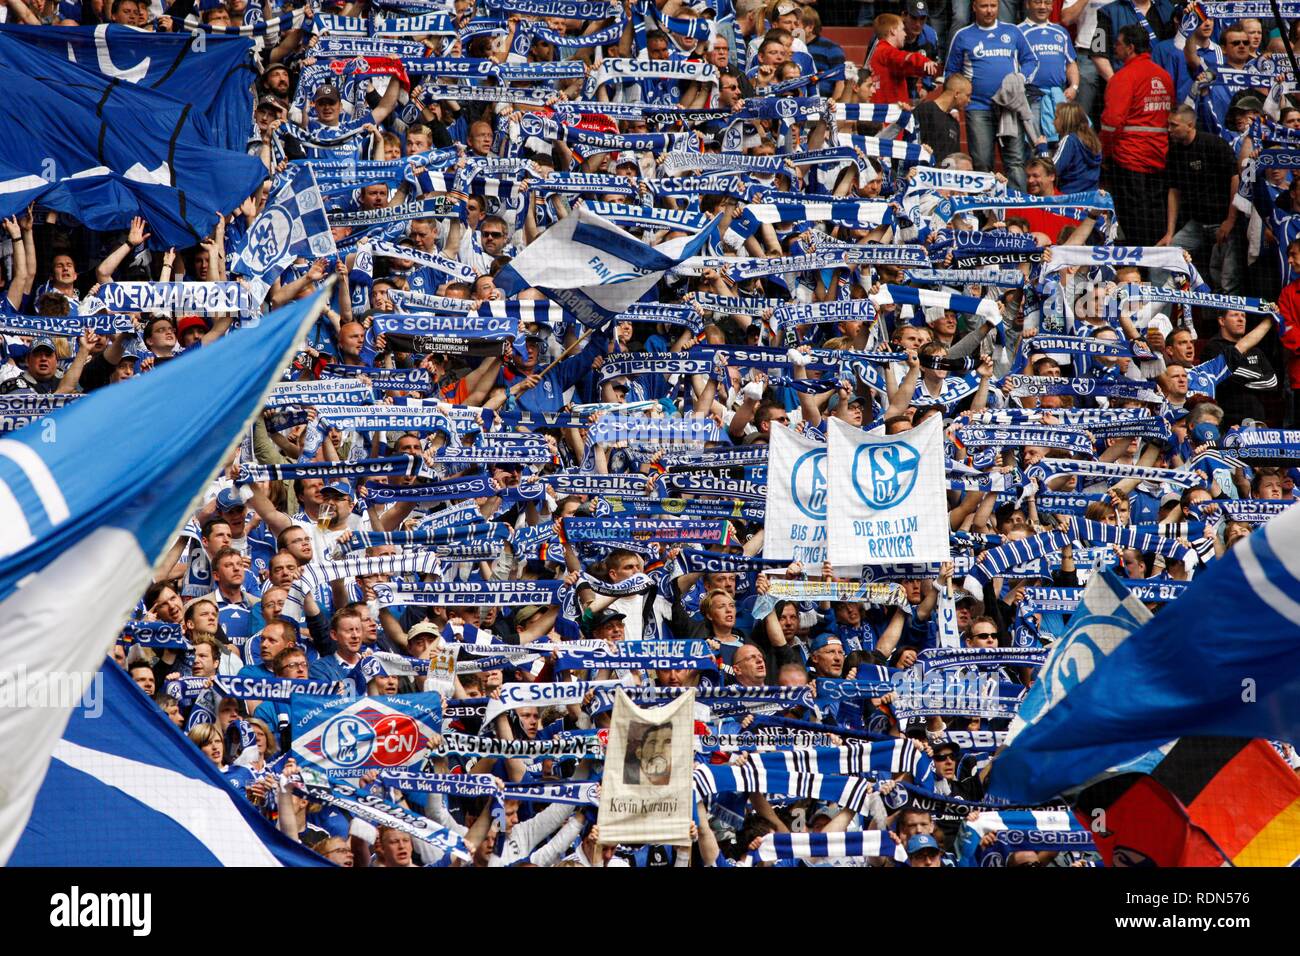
[{"x": 1132, "y": 109}]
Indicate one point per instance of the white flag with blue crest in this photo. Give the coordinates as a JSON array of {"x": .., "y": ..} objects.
[
  {"x": 888, "y": 495},
  {"x": 797, "y": 487}
]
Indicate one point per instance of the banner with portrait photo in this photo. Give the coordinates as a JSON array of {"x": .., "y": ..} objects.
[
  {"x": 888, "y": 495},
  {"x": 645, "y": 794}
]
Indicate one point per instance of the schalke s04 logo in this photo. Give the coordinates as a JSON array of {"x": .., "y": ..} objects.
[
  {"x": 883, "y": 475},
  {"x": 270, "y": 237},
  {"x": 369, "y": 737},
  {"x": 347, "y": 740},
  {"x": 808, "y": 484}
]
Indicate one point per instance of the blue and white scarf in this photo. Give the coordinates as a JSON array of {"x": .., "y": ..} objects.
[
  {"x": 704, "y": 483},
  {"x": 434, "y": 303},
  {"x": 665, "y": 530},
  {"x": 927, "y": 179},
  {"x": 1075, "y": 441},
  {"x": 462, "y": 593},
  {"x": 366, "y": 467},
  {"x": 156, "y": 634},
  {"x": 1003, "y": 278},
  {"x": 675, "y": 163},
  {"x": 1264, "y": 443},
  {"x": 384, "y": 379},
  {"x": 1028, "y": 385},
  {"x": 857, "y": 844},
  {"x": 614, "y": 68},
  {"x": 559, "y": 746},
  {"x": 434, "y": 207},
  {"x": 1112, "y": 471}
]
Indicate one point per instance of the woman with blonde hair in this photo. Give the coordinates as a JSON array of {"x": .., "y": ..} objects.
[
  {"x": 718, "y": 608},
  {"x": 1078, "y": 152},
  {"x": 207, "y": 737}
]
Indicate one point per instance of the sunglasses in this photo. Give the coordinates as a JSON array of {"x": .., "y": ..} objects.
[
  {"x": 985, "y": 634},
  {"x": 1238, "y": 43},
  {"x": 493, "y": 235},
  {"x": 946, "y": 756}
]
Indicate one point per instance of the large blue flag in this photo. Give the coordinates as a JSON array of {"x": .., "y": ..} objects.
[
  {"x": 90, "y": 499},
  {"x": 1221, "y": 661},
  {"x": 103, "y": 151},
  {"x": 213, "y": 74},
  {"x": 126, "y": 788}
]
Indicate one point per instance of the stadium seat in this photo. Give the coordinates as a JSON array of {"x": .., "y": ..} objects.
[{"x": 854, "y": 40}]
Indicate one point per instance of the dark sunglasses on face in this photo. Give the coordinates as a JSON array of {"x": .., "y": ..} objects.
[
  {"x": 948, "y": 755},
  {"x": 493, "y": 235}
]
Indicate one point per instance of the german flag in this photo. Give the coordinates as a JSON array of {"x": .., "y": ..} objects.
[
  {"x": 1212, "y": 801},
  {"x": 1241, "y": 793},
  {"x": 1137, "y": 822}
]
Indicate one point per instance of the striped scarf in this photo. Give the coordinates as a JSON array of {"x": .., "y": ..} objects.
[
  {"x": 875, "y": 113},
  {"x": 846, "y": 791},
  {"x": 835, "y": 846},
  {"x": 1014, "y": 554},
  {"x": 857, "y": 758},
  {"x": 316, "y": 576}
]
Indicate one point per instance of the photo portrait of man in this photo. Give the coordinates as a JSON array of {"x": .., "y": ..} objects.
[{"x": 648, "y": 759}]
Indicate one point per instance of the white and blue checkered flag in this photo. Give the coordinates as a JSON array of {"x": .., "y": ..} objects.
[
  {"x": 90, "y": 499},
  {"x": 293, "y": 224}
]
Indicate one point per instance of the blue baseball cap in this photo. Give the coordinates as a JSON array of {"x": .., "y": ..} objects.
[
  {"x": 1205, "y": 432},
  {"x": 834, "y": 402},
  {"x": 921, "y": 841},
  {"x": 340, "y": 485},
  {"x": 43, "y": 342},
  {"x": 228, "y": 500},
  {"x": 824, "y": 639}
]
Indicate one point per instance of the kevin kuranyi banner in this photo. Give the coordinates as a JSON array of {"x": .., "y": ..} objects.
[{"x": 645, "y": 793}]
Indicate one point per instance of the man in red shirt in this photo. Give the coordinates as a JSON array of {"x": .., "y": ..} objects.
[
  {"x": 891, "y": 66},
  {"x": 1040, "y": 180},
  {"x": 1134, "y": 137},
  {"x": 1288, "y": 305}
]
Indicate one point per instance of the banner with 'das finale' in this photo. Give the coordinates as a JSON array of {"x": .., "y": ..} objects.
[{"x": 888, "y": 497}]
